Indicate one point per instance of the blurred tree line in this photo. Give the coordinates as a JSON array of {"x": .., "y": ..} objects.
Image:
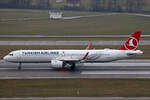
[
  {"x": 95, "y": 5},
  {"x": 25, "y": 4},
  {"x": 118, "y": 5}
]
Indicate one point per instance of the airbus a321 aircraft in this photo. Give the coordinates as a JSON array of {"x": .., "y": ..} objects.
[{"x": 69, "y": 58}]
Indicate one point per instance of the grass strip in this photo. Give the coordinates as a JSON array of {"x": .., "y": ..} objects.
[
  {"x": 113, "y": 24},
  {"x": 75, "y": 88}
]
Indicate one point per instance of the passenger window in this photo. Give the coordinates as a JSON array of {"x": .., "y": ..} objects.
[{"x": 10, "y": 54}]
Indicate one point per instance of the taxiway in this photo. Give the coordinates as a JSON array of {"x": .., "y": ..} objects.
[
  {"x": 70, "y": 43},
  {"x": 68, "y": 36}
]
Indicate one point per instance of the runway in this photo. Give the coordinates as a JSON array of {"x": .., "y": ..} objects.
[
  {"x": 70, "y": 43},
  {"x": 120, "y": 69}
]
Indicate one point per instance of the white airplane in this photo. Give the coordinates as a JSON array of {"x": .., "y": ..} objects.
[{"x": 69, "y": 58}]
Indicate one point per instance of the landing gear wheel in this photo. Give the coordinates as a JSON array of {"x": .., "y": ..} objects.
[{"x": 73, "y": 67}]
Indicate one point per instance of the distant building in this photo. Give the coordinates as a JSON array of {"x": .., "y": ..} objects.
[
  {"x": 59, "y": 1},
  {"x": 55, "y": 15},
  {"x": 73, "y": 3}
]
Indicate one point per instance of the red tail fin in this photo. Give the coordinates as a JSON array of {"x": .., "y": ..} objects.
[
  {"x": 89, "y": 46},
  {"x": 132, "y": 42}
]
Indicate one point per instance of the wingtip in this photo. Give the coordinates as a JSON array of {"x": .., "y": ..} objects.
[{"x": 138, "y": 31}]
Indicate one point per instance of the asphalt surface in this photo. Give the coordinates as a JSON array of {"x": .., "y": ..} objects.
[
  {"x": 77, "y": 98},
  {"x": 69, "y": 43},
  {"x": 119, "y": 69}
]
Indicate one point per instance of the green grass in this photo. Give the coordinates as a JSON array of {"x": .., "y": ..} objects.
[
  {"x": 113, "y": 24},
  {"x": 79, "y": 13},
  {"x": 28, "y": 13},
  {"x": 4, "y": 50},
  {"x": 75, "y": 88},
  {"x": 147, "y": 7},
  {"x": 22, "y": 13}
]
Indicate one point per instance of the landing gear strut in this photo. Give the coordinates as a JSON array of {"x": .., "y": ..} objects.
[
  {"x": 73, "y": 67},
  {"x": 69, "y": 66},
  {"x": 20, "y": 66}
]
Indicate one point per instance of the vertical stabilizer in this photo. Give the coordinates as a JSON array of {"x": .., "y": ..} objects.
[{"x": 132, "y": 42}]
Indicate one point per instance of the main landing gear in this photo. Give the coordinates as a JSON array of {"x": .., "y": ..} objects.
[
  {"x": 73, "y": 67},
  {"x": 69, "y": 66}
]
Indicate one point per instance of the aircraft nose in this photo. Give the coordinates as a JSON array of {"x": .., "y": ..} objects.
[{"x": 5, "y": 58}]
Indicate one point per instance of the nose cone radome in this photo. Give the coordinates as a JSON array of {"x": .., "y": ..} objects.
[{"x": 5, "y": 58}]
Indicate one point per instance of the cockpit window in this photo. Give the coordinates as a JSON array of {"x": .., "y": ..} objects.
[{"x": 10, "y": 54}]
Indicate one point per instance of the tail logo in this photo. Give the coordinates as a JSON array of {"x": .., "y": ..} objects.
[{"x": 131, "y": 44}]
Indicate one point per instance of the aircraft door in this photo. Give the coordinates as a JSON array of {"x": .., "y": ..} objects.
[{"x": 19, "y": 58}]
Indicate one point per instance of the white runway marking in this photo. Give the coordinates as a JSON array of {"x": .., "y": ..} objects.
[{"x": 116, "y": 72}]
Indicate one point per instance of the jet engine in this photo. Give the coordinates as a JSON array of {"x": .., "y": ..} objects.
[
  {"x": 57, "y": 64},
  {"x": 61, "y": 64}
]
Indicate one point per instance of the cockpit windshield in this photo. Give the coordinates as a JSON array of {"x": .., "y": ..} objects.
[{"x": 10, "y": 54}]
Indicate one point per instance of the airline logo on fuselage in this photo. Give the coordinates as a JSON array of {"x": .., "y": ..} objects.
[{"x": 40, "y": 53}]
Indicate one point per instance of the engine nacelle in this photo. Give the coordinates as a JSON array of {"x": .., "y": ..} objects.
[
  {"x": 61, "y": 64},
  {"x": 57, "y": 64}
]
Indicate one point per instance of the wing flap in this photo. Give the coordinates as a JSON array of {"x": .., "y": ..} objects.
[{"x": 72, "y": 59}]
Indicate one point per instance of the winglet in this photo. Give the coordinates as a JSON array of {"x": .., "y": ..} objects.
[
  {"x": 89, "y": 46},
  {"x": 85, "y": 55},
  {"x": 132, "y": 42}
]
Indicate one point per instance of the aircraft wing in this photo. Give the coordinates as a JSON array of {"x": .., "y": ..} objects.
[{"x": 71, "y": 59}]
